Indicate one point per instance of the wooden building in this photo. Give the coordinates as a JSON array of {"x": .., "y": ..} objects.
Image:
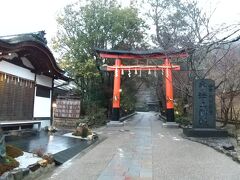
[{"x": 27, "y": 73}]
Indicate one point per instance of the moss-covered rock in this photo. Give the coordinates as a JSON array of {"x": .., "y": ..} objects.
[
  {"x": 13, "y": 151},
  {"x": 8, "y": 164},
  {"x": 82, "y": 130}
]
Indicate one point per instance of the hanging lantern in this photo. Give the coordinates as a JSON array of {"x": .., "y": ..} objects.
[
  {"x": 162, "y": 72},
  {"x": 140, "y": 73},
  {"x": 155, "y": 73}
]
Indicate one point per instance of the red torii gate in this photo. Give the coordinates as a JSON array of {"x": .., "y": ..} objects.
[{"x": 154, "y": 54}]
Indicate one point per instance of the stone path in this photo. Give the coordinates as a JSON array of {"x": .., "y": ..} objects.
[{"x": 143, "y": 149}]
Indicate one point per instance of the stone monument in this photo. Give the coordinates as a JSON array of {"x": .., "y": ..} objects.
[{"x": 204, "y": 110}]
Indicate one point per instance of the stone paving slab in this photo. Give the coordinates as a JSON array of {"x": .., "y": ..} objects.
[{"x": 144, "y": 149}]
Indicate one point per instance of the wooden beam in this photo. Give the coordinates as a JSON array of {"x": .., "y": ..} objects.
[
  {"x": 148, "y": 56},
  {"x": 142, "y": 68}
]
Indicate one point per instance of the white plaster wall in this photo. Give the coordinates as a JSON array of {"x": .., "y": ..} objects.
[
  {"x": 42, "y": 108},
  {"x": 44, "y": 80},
  {"x": 42, "y": 105},
  {"x": 16, "y": 70}
]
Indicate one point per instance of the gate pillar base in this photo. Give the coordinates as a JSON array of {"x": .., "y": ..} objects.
[
  {"x": 170, "y": 115},
  {"x": 115, "y": 114},
  {"x": 115, "y": 124},
  {"x": 170, "y": 125}
]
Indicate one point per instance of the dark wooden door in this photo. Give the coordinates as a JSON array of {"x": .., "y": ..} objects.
[{"x": 16, "y": 98}]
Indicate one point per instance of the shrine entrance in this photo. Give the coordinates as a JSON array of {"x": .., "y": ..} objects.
[{"x": 167, "y": 67}]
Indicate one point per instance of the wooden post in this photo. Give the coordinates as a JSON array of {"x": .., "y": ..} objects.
[
  {"x": 169, "y": 92},
  {"x": 116, "y": 92}
]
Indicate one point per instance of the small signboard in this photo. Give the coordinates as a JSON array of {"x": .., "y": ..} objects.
[
  {"x": 67, "y": 108},
  {"x": 204, "y": 110}
]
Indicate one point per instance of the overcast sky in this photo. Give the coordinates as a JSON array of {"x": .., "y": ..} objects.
[{"x": 23, "y": 16}]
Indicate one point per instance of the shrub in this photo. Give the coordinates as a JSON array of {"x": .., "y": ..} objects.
[
  {"x": 185, "y": 121},
  {"x": 96, "y": 117},
  {"x": 8, "y": 164},
  {"x": 39, "y": 151}
]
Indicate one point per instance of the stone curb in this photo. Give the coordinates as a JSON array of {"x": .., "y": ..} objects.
[
  {"x": 121, "y": 121},
  {"x": 162, "y": 118},
  {"x": 26, "y": 173},
  {"x": 126, "y": 117}
]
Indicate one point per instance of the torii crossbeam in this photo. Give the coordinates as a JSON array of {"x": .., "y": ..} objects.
[{"x": 167, "y": 67}]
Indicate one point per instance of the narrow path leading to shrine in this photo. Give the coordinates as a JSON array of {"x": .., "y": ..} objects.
[{"x": 144, "y": 149}]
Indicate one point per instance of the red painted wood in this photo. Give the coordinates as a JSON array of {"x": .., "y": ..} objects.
[
  {"x": 169, "y": 85},
  {"x": 117, "y": 83},
  {"x": 143, "y": 68},
  {"x": 150, "y": 56}
]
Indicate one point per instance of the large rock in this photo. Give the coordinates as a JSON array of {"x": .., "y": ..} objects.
[
  {"x": 43, "y": 163},
  {"x": 49, "y": 158},
  {"x": 7, "y": 176},
  {"x": 82, "y": 130},
  {"x": 34, "y": 167},
  {"x": 17, "y": 174}
]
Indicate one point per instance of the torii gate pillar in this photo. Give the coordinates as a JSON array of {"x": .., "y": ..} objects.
[
  {"x": 169, "y": 92},
  {"x": 116, "y": 92}
]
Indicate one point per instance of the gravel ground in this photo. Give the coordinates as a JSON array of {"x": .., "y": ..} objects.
[{"x": 226, "y": 145}]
